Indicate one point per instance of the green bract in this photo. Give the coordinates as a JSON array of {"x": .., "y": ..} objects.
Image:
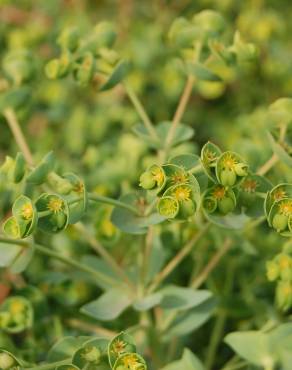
[
  {"x": 230, "y": 169},
  {"x": 119, "y": 345},
  {"x": 54, "y": 213},
  {"x": 16, "y": 314},
  {"x": 24, "y": 219}
]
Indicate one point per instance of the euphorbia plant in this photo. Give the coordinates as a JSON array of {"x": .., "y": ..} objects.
[{"x": 183, "y": 192}]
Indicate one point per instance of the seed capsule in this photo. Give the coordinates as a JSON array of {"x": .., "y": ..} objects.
[
  {"x": 273, "y": 270},
  {"x": 147, "y": 181},
  {"x": 187, "y": 208},
  {"x": 226, "y": 205},
  {"x": 228, "y": 177},
  {"x": 280, "y": 222}
]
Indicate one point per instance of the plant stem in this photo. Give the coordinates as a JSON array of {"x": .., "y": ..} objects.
[
  {"x": 50, "y": 366},
  {"x": 105, "y": 255},
  {"x": 201, "y": 278},
  {"x": 268, "y": 165},
  {"x": 89, "y": 328},
  {"x": 14, "y": 126},
  {"x": 69, "y": 261},
  {"x": 141, "y": 112},
  {"x": 179, "y": 112},
  {"x": 102, "y": 199},
  {"x": 177, "y": 259}
]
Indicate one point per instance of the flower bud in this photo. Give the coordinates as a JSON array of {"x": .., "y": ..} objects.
[
  {"x": 284, "y": 295},
  {"x": 59, "y": 184},
  {"x": 226, "y": 205},
  {"x": 6, "y": 361},
  {"x": 60, "y": 218},
  {"x": 210, "y": 22},
  {"x": 85, "y": 69},
  {"x": 227, "y": 177},
  {"x": 280, "y": 222},
  {"x": 273, "y": 270},
  {"x": 69, "y": 39},
  {"x": 147, "y": 181},
  {"x": 241, "y": 169},
  {"x": 285, "y": 266},
  {"x": 52, "y": 69},
  {"x": 18, "y": 66}
]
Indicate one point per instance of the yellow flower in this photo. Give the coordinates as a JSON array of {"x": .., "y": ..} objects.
[
  {"x": 118, "y": 346},
  {"x": 279, "y": 194},
  {"x": 182, "y": 193},
  {"x": 27, "y": 211},
  {"x": 131, "y": 361},
  {"x": 285, "y": 208},
  {"x": 55, "y": 205},
  {"x": 179, "y": 178},
  {"x": 229, "y": 162},
  {"x": 219, "y": 192},
  {"x": 158, "y": 176},
  {"x": 16, "y": 307},
  {"x": 249, "y": 185}
]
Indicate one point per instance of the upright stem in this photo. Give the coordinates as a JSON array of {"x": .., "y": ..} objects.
[
  {"x": 104, "y": 254},
  {"x": 179, "y": 112},
  {"x": 268, "y": 165},
  {"x": 177, "y": 259},
  {"x": 141, "y": 112},
  {"x": 198, "y": 281},
  {"x": 14, "y": 126}
]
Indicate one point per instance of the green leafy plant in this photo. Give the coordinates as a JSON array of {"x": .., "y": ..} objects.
[{"x": 114, "y": 233}]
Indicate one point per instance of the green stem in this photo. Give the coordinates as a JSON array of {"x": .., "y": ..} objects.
[
  {"x": 141, "y": 112},
  {"x": 50, "y": 366},
  {"x": 113, "y": 202},
  {"x": 80, "y": 266},
  {"x": 69, "y": 261},
  {"x": 172, "y": 264},
  {"x": 14, "y": 126}
]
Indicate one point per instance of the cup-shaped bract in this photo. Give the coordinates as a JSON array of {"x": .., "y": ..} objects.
[
  {"x": 210, "y": 23},
  {"x": 53, "y": 212},
  {"x": 187, "y": 195},
  {"x": 278, "y": 192},
  {"x": 120, "y": 344},
  {"x": 168, "y": 207},
  {"x": 153, "y": 179},
  {"x": 219, "y": 200},
  {"x": 280, "y": 216},
  {"x": 77, "y": 199},
  {"x": 209, "y": 156},
  {"x": 130, "y": 361},
  {"x": 16, "y": 314},
  {"x": 24, "y": 219},
  {"x": 230, "y": 169},
  {"x": 92, "y": 354},
  {"x": 18, "y": 66}
]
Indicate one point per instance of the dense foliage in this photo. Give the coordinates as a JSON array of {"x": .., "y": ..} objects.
[{"x": 145, "y": 185}]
